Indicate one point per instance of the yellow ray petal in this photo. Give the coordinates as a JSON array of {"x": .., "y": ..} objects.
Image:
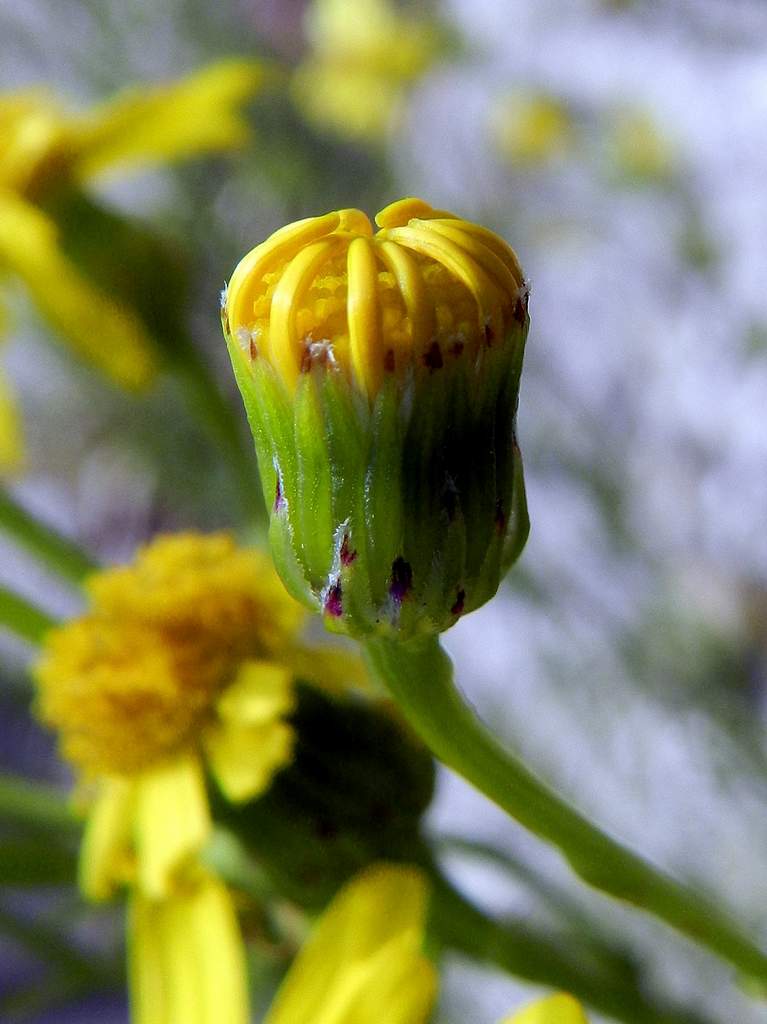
[
  {"x": 362, "y": 964},
  {"x": 557, "y": 1009},
  {"x": 106, "y": 857},
  {"x": 172, "y": 822},
  {"x": 261, "y": 694},
  {"x": 186, "y": 959},
  {"x": 99, "y": 330},
  {"x": 195, "y": 115},
  {"x": 331, "y": 669},
  {"x": 245, "y": 758}
]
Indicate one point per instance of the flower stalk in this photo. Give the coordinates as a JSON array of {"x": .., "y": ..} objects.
[
  {"x": 57, "y": 552},
  {"x": 22, "y": 618},
  {"x": 419, "y": 675}
]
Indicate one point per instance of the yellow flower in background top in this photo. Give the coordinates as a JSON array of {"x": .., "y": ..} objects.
[
  {"x": 44, "y": 150},
  {"x": 185, "y": 659},
  {"x": 364, "y": 57},
  {"x": 531, "y": 129}
]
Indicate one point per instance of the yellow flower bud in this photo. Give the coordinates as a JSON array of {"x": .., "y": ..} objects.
[{"x": 380, "y": 372}]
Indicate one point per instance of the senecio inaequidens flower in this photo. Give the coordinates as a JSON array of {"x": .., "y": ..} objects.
[{"x": 380, "y": 373}]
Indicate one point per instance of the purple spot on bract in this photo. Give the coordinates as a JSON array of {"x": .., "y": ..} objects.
[
  {"x": 433, "y": 357},
  {"x": 279, "y": 500},
  {"x": 460, "y": 600},
  {"x": 401, "y": 579},
  {"x": 333, "y": 601},
  {"x": 456, "y": 348},
  {"x": 253, "y": 349},
  {"x": 389, "y": 361},
  {"x": 489, "y": 334},
  {"x": 347, "y": 554}
]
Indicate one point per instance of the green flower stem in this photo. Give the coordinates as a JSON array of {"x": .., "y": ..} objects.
[
  {"x": 24, "y": 619},
  {"x": 35, "y": 804},
  {"x": 57, "y": 552},
  {"x": 218, "y": 416},
  {"x": 525, "y": 952},
  {"x": 419, "y": 676}
]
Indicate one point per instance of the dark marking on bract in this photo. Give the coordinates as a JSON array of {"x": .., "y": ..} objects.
[
  {"x": 347, "y": 553},
  {"x": 456, "y": 348},
  {"x": 450, "y": 499},
  {"x": 401, "y": 579},
  {"x": 253, "y": 349},
  {"x": 489, "y": 335},
  {"x": 460, "y": 601},
  {"x": 389, "y": 360},
  {"x": 500, "y": 517},
  {"x": 520, "y": 312},
  {"x": 433, "y": 357},
  {"x": 333, "y": 601}
]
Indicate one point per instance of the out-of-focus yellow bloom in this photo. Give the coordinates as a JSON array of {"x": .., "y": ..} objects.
[
  {"x": 637, "y": 149},
  {"x": 364, "y": 58},
  {"x": 557, "y": 1009},
  {"x": 363, "y": 963},
  {"x": 531, "y": 129},
  {"x": 185, "y": 659},
  {"x": 44, "y": 151}
]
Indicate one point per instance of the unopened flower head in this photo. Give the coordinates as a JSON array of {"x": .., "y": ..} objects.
[{"x": 380, "y": 372}]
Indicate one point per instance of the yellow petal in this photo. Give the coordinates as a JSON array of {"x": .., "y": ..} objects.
[
  {"x": 195, "y": 115},
  {"x": 108, "y": 335},
  {"x": 106, "y": 853},
  {"x": 11, "y": 443},
  {"x": 261, "y": 694},
  {"x": 244, "y": 758},
  {"x": 362, "y": 964},
  {"x": 172, "y": 822},
  {"x": 186, "y": 958},
  {"x": 557, "y": 1009}
]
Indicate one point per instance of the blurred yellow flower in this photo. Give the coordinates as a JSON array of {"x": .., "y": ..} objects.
[
  {"x": 364, "y": 57},
  {"x": 44, "y": 150},
  {"x": 185, "y": 659},
  {"x": 363, "y": 963},
  {"x": 637, "y": 149},
  {"x": 557, "y": 1009},
  {"x": 531, "y": 128}
]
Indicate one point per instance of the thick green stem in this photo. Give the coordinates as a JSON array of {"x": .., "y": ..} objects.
[
  {"x": 22, "y": 618},
  {"x": 419, "y": 676},
  {"x": 57, "y": 552},
  {"x": 521, "y": 950}
]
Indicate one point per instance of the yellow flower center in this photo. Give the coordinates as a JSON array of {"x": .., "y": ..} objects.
[
  {"x": 426, "y": 288},
  {"x": 136, "y": 679}
]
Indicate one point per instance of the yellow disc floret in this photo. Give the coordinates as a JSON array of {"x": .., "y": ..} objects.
[
  {"x": 136, "y": 679},
  {"x": 426, "y": 288}
]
